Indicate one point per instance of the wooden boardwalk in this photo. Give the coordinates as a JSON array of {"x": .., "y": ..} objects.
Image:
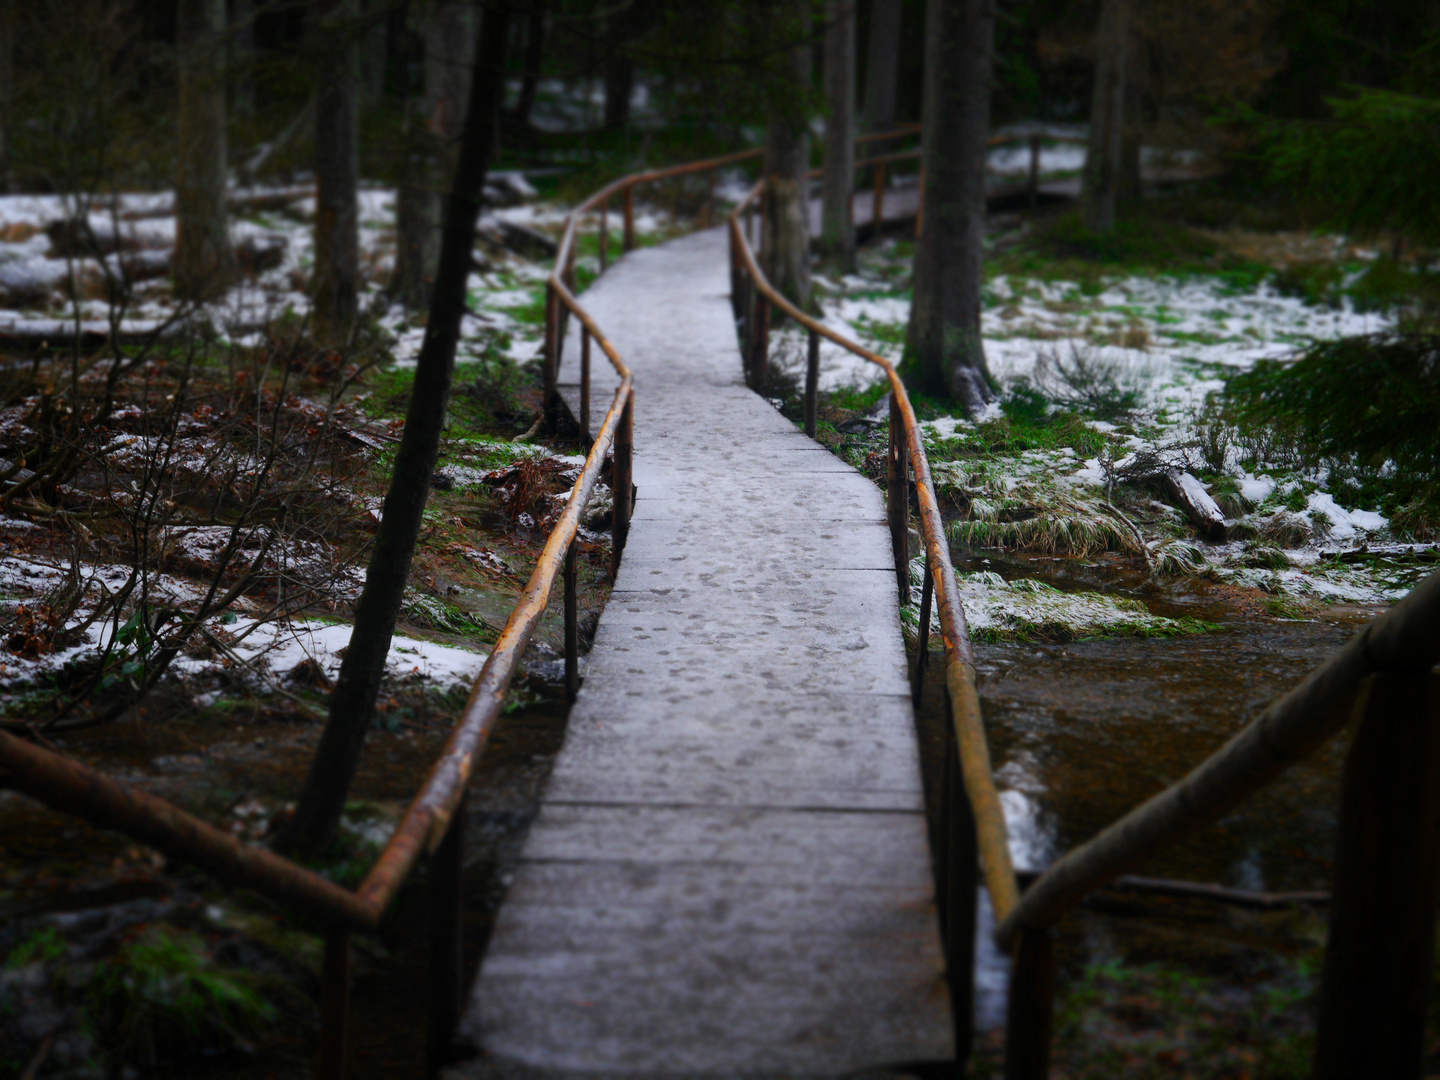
[{"x": 729, "y": 873}]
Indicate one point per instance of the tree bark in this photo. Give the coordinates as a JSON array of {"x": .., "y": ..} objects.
[
  {"x": 7, "y": 90},
  {"x": 449, "y": 36},
  {"x": 1132, "y": 131},
  {"x": 336, "y": 282},
  {"x": 785, "y": 245},
  {"x": 204, "y": 262},
  {"x": 534, "y": 54},
  {"x": 619, "y": 86},
  {"x": 317, "y": 814},
  {"x": 944, "y": 352},
  {"x": 882, "y": 77},
  {"x": 837, "y": 234},
  {"x": 241, "y": 42},
  {"x": 376, "y": 50},
  {"x": 1101, "y": 183}
]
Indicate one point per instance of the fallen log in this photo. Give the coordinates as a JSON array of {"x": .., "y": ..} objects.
[{"x": 1199, "y": 507}]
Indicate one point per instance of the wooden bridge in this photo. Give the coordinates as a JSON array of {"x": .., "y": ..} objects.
[{"x": 732, "y": 873}]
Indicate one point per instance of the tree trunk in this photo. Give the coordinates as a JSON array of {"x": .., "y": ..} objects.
[
  {"x": 882, "y": 77},
  {"x": 336, "y": 282},
  {"x": 944, "y": 353},
  {"x": 785, "y": 248},
  {"x": 241, "y": 42},
  {"x": 837, "y": 234},
  {"x": 619, "y": 86},
  {"x": 204, "y": 262},
  {"x": 376, "y": 50},
  {"x": 317, "y": 814},
  {"x": 534, "y": 54},
  {"x": 7, "y": 89},
  {"x": 449, "y": 36},
  {"x": 1132, "y": 131},
  {"x": 1101, "y": 183}
]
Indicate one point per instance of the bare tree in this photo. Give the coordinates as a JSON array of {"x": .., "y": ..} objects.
[
  {"x": 882, "y": 78},
  {"x": 204, "y": 261},
  {"x": 7, "y": 88},
  {"x": 332, "y": 771},
  {"x": 449, "y": 36},
  {"x": 337, "y": 174},
  {"x": 837, "y": 233},
  {"x": 1101, "y": 183},
  {"x": 786, "y": 242},
  {"x": 944, "y": 353},
  {"x": 534, "y": 54}
]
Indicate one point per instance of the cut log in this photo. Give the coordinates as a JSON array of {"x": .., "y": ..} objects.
[
  {"x": 1199, "y": 507},
  {"x": 521, "y": 239}
]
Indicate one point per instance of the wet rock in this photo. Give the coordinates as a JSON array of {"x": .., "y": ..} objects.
[{"x": 521, "y": 239}]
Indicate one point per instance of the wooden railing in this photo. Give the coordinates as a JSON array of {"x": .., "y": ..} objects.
[{"x": 1378, "y": 964}]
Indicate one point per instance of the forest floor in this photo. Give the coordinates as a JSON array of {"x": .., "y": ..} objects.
[{"x": 229, "y": 455}]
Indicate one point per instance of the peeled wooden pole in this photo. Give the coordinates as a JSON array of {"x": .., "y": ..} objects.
[
  {"x": 1379, "y": 955},
  {"x": 897, "y": 501},
  {"x": 1406, "y": 638},
  {"x": 812, "y": 382}
]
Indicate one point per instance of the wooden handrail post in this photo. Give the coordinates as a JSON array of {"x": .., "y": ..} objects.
[
  {"x": 812, "y": 383},
  {"x": 877, "y": 205},
  {"x": 1379, "y": 955},
  {"x": 709, "y": 196},
  {"x": 552, "y": 349},
  {"x": 1034, "y": 186},
  {"x": 572, "y": 624},
  {"x": 446, "y": 982},
  {"x": 604, "y": 235},
  {"x": 629, "y": 203},
  {"x": 760, "y": 344},
  {"x": 898, "y": 499},
  {"x": 922, "y": 645},
  {"x": 957, "y": 894},
  {"x": 334, "y": 1005},
  {"x": 620, "y": 503},
  {"x": 1029, "y": 1017},
  {"x": 585, "y": 387}
]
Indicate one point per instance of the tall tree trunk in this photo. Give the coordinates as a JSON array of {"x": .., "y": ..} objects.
[
  {"x": 882, "y": 62},
  {"x": 332, "y": 771},
  {"x": 1101, "y": 183},
  {"x": 241, "y": 55},
  {"x": 619, "y": 86},
  {"x": 204, "y": 262},
  {"x": 837, "y": 234},
  {"x": 336, "y": 282},
  {"x": 1132, "y": 133},
  {"x": 785, "y": 249},
  {"x": 944, "y": 352},
  {"x": 534, "y": 54},
  {"x": 376, "y": 50},
  {"x": 7, "y": 90},
  {"x": 449, "y": 36}
]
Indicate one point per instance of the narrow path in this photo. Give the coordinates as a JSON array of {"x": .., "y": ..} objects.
[{"x": 729, "y": 873}]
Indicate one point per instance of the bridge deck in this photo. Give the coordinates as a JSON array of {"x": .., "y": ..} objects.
[{"x": 729, "y": 873}]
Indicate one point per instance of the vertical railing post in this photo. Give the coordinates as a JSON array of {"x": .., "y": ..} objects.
[
  {"x": 624, "y": 454},
  {"x": 604, "y": 235},
  {"x": 629, "y": 203},
  {"x": 572, "y": 624},
  {"x": 898, "y": 499},
  {"x": 709, "y": 196},
  {"x": 1029, "y": 1016},
  {"x": 1379, "y": 954},
  {"x": 922, "y": 645},
  {"x": 1034, "y": 185},
  {"x": 445, "y": 984},
  {"x": 585, "y": 386},
  {"x": 812, "y": 383},
  {"x": 552, "y": 350},
  {"x": 334, "y": 1005},
  {"x": 750, "y": 223},
  {"x": 760, "y": 344},
  {"x": 957, "y": 893},
  {"x": 877, "y": 205}
]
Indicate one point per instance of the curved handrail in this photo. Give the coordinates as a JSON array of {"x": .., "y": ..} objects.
[{"x": 959, "y": 659}]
